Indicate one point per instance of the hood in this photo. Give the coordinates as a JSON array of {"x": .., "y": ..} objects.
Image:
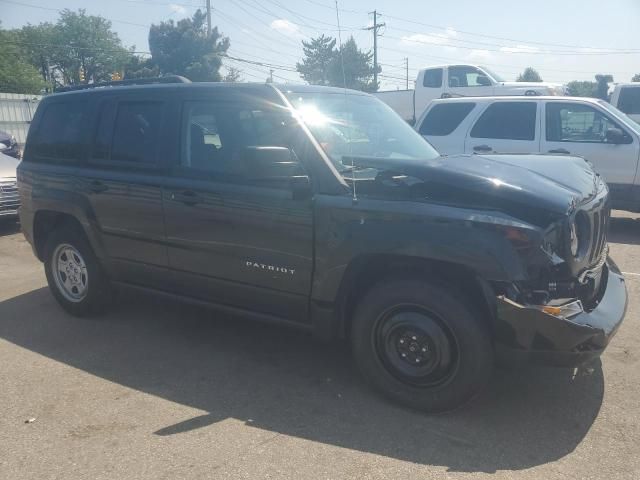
[
  {"x": 8, "y": 166},
  {"x": 533, "y": 187}
]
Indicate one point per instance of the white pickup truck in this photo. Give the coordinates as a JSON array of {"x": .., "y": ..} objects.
[
  {"x": 445, "y": 81},
  {"x": 626, "y": 97}
]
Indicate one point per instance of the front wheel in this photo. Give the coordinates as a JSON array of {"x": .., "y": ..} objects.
[{"x": 421, "y": 345}]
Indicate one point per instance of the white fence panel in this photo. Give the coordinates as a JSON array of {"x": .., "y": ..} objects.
[{"x": 16, "y": 113}]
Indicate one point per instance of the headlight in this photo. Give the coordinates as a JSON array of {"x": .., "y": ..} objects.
[
  {"x": 573, "y": 236},
  {"x": 579, "y": 235}
]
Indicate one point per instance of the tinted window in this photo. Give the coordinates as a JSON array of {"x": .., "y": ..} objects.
[
  {"x": 432, "y": 78},
  {"x": 629, "y": 101},
  {"x": 104, "y": 132},
  {"x": 59, "y": 134},
  {"x": 466, "y": 77},
  {"x": 508, "y": 121},
  {"x": 136, "y": 132},
  {"x": 568, "y": 122},
  {"x": 213, "y": 135},
  {"x": 444, "y": 118}
]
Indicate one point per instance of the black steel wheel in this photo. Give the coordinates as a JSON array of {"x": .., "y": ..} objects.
[
  {"x": 422, "y": 344},
  {"x": 416, "y": 346}
]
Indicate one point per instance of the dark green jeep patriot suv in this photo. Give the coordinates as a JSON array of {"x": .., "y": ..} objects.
[{"x": 320, "y": 208}]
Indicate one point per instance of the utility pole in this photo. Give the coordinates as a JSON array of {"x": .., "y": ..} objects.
[
  {"x": 271, "y": 75},
  {"x": 208, "y": 18},
  {"x": 375, "y": 28},
  {"x": 406, "y": 64}
]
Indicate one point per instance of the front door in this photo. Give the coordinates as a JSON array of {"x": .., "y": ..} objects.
[
  {"x": 581, "y": 129},
  {"x": 231, "y": 239},
  {"x": 467, "y": 81}
]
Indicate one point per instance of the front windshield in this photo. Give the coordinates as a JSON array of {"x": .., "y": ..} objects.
[
  {"x": 348, "y": 125},
  {"x": 626, "y": 119},
  {"x": 495, "y": 76}
]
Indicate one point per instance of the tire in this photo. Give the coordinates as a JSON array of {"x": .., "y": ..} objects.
[
  {"x": 397, "y": 321},
  {"x": 84, "y": 289}
]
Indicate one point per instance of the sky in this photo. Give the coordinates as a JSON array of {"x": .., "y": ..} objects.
[{"x": 563, "y": 39}]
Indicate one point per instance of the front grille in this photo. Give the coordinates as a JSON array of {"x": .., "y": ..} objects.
[
  {"x": 599, "y": 223},
  {"x": 9, "y": 198}
]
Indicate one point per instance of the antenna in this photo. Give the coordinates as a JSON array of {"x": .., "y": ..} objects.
[{"x": 344, "y": 89}]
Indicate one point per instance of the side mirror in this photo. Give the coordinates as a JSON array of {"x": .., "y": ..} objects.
[
  {"x": 277, "y": 166},
  {"x": 615, "y": 136},
  {"x": 483, "y": 81},
  {"x": 270, "y": 163}
]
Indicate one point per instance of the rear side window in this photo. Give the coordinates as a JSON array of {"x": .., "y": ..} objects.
[
  {"x": 432, "y": 78},
  {"x": 507, "y": 121},
  {"x": 60, "y": 132},
  {"x": 136, "y": 133},
  {"x": 629, "y": 101},
  {"x": 444, "y": 118}
]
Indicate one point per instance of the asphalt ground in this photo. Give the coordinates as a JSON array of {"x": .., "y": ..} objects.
[{"x": 157, "y": 389}]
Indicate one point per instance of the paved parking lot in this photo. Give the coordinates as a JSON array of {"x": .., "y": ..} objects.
[{"x": 159, "y": 390}]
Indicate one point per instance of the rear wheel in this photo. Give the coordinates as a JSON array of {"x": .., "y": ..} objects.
[
  {"x": 422, "y": 345},
  {"x": 74, "y": 274}
]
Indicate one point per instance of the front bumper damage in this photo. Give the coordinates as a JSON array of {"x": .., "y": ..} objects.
[{"x": 528, "y": 334}]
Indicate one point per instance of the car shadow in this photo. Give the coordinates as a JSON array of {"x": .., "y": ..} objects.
[
  {"x": 624, "y": 230},
  {"x": 8, "y": 227},
  {"x": 283, "y": 381}
]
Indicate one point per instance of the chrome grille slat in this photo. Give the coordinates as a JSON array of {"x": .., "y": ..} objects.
[
  {"x": 595, "y": 239},
  {"x": 9, "y": 196}
]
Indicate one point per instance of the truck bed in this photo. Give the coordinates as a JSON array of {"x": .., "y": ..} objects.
[{"x": 402, "y": 101}]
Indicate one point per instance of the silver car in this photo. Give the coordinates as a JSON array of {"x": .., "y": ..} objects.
[{"x": 9, "y": 199}]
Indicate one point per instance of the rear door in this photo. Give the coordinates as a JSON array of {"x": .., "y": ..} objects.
[
  {"x": 233, "y": 240},
  {"x": 123, "y": 184},
  {"x": 506, "y": 127},
  {"x": 581, "y": 129},
  {"x": 467, "y": 81},
  {"x": 445, "y": 124}
]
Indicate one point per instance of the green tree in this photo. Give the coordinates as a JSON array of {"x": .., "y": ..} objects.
[
  {"x": 138, "y": 67},
  {"x": 16, "y": 75},
  {"x": 358, "y": 68},
  {"x": 529, "y": 75},
  {"x": 319, "y": 54},
  {"x": 636, "y": 78},
  {"x": 602, "y": 89},
  {"x": 232, "y": 75},
  {"x": 582, "y": 88},
  {"x": 184, "y": 48},
  {"x": 38, "y": 45},
  {"x": 89, "y": 48}
]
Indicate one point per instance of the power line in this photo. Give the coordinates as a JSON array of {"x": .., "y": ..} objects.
[{"x": 61, "y": 10}]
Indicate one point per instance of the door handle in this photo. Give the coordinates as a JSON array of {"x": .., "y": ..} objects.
[
  {"x": 482, "y": 148},
  {"x": 188, "y": 197},
  {"x": 96, "y": 186},
  {"x": 563, "y": 151}
]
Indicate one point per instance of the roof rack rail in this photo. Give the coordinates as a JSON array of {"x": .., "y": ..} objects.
[{"x": 132, "y": 81}]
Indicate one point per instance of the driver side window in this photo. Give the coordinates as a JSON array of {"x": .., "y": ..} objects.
[
  {"x": 467, "y": 77},
  {"x": 567, "y": 122}
]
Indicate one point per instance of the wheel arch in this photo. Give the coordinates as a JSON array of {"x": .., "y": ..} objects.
[{"x": 368, "y": 270}]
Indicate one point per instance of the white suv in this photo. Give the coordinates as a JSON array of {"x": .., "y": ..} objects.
[{"x": 585, "y": 127}]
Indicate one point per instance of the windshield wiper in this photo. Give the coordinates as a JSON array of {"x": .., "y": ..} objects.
[{"x": 353, "y": 168}]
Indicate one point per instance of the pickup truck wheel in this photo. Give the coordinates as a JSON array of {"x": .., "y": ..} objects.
[
  {"x": 421, "y": 345},
  {"x": 74, "y": 274}
]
